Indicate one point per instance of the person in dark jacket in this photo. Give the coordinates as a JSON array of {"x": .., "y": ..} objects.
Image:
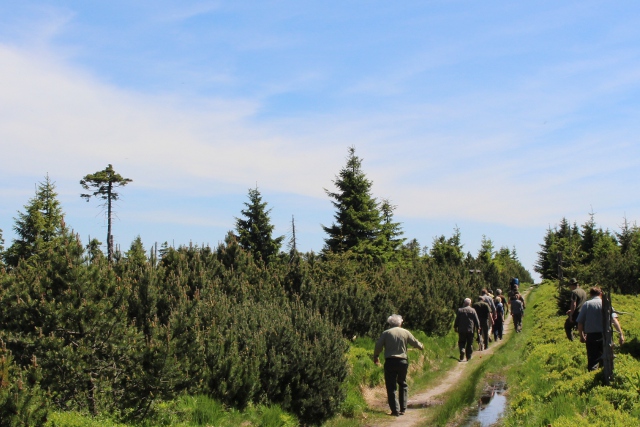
[
  {"x": 578, "y": 297},
  {"x": 466, "y": 324},
  {"x": 498, "y": 324},
  {"x": 485, "y": 315},
  {"x": 394, "y": 341},
  {"x": 517, "y": 311}
]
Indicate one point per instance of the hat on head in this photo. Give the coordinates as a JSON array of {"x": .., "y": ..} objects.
[{"x": 573, "y": 282}]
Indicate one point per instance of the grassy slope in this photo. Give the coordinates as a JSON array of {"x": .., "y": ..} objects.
[{"x": 549, "y": 383}]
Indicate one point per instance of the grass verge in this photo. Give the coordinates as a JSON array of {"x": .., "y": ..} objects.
[
  {"x": 467, "y": 392},
  {"x": 549, "y": 382}
]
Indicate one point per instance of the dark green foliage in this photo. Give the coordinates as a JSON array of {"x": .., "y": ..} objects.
[
  {"x": 238, "y": 323},
  {"x": 37, "y": 227},
  {"x": 74, "y": 319},
  {"x": 389, "y": 239},
  {"x": 491, "y": 269},
  {"x": 593, "y": 256},
  {"x": 357, "y": 218},
  {"x": 255, "y": 229},
  {"x": 447, "y": 251},
  {"x": 22, "y": 402}
]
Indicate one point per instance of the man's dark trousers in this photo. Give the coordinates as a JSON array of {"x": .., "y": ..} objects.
[
  {"x": 465, "y": 344},
  {"x": 395, "y": 372},
  {"x": 517, "y": 321},
  {"x": 570, "y": 324},
  {"x": 594, "y": 350}
]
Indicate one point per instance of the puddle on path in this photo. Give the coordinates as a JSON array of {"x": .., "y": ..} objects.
[{"x": 491, "y": 407}]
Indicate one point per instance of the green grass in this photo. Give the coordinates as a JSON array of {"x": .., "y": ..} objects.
[
  {"x": 188, "y": 411},
  {"x": 480, "y": 371},
  {"x": 548, "y": 379},
  {"x": 433, "y": 362}
]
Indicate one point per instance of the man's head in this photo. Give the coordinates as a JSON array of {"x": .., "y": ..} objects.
[
  {"x": 573, "y": 283},
  {"x": 498, "y": 291},
  {"x": 483, "y": 291},
  {"x": 595, "y": 291},
  {"x": 480, "y": 298},
  {"x": 467, "y": 302},
  {"x": 395, "y": 320}
]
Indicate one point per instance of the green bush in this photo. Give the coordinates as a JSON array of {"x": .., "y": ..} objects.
[{"x": 22, "y": 403}]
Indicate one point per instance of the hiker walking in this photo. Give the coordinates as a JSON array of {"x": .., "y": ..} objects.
[
  {"x": 483, "y": 310},
  {"x": 517, "y": 311},
  {"x": 488, "y": 298},
  {"x": 503, "y": 300},
  {"x": 498, "y": 324},
  {"x": 578, "y": 297},
  {"x": 590, "y": 328},
  {"x": 394, "y": 341},
  {"x": 514, "y": 283},
  {"x": 466, "y": 324}
]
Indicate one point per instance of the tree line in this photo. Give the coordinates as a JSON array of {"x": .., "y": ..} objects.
[
  {"x": 607, "y": 258},
  {"x": 244, "y": 322}
]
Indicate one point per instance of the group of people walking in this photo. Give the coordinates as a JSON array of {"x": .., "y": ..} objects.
[
  {"x": 474, "y": 322},
  {"x": 486, "y": 317},
  {"x": 488, "y": 313}
]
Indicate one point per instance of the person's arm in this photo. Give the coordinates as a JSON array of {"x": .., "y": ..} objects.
[
  {"x": 583, "y": 336},
  {"x": 455, "y": 324},
  {"x": 572, "y": 308},
  {"x": 378, "y": 349},
  {"x": 616, "y": 325},
  {"x": 414, "y": 342}
]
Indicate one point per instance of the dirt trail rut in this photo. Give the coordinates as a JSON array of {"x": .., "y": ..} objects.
[{"x": 377, "y": 398}]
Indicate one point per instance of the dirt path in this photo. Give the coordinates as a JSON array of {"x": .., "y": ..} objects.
[{"x": 377, "y": 398}]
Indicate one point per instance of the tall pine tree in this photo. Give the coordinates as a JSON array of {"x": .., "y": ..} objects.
[
  {"x": 40, "y": 223},
  {"x": 358, "y": 221},
  {"x": 104, "y": 184},
  {"x": 255, "y": 229}
]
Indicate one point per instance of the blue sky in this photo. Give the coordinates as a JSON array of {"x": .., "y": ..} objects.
[{"x": 498, "y": 118}]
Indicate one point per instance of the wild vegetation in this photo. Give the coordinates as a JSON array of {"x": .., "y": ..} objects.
[
  {"x": 610, "y": 259},
  {"x": 549, "y": 383},
  {"x": 135, "y": 337}
]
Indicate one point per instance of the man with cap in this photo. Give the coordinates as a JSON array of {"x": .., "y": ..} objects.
[
  {"x": 394, "y": 341},
  {"x": 578, "y": 297}
]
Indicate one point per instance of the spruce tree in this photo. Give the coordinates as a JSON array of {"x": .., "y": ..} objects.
[
  {"x": 103, "y": 184},
  {"x": 255, "y": 229},
  {"x": 40, "y": 223},
  {"x": 448, "y": 251},
  {"x": 390, "y": 231},
  {"x": 358, "y": 220}
]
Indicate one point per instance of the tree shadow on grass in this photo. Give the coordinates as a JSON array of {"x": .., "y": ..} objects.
[{"x": 632, "y": 348}]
